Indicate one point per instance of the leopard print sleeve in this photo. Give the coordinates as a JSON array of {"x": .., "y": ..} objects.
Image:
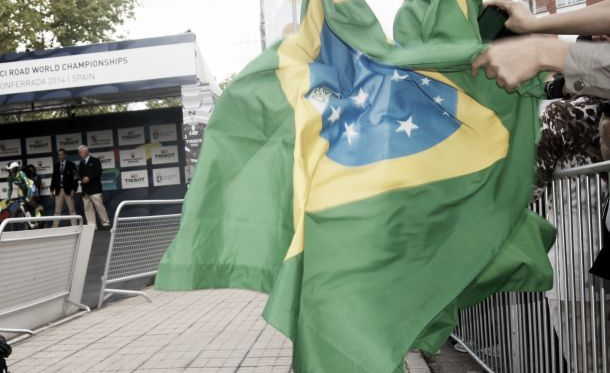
[{"x": 569, "y": 137}]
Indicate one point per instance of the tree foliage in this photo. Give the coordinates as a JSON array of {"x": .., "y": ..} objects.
[{"x": 40, "y": 24}]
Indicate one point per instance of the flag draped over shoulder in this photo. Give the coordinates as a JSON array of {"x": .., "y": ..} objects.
[{"x": 372, "y": 188}]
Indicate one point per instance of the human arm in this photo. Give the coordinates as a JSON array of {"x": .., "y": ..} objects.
[
  {"x": 515, "y": 60},
  {"x": 72, "y": 176},
  {"x": 27, "y": 183},
  {"x": 96, "y": 169},
  {"x": 55, "y": 180},
  {"x": 587, "y": 69},
  {"x": 591, "y": 20},
  {"x": 10, "y": 188}
]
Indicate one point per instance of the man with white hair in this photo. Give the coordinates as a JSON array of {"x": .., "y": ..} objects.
[{"x": 90, "y": 174}]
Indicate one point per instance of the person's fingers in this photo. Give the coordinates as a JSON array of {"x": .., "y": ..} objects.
[
  {"x": 512, "y": 84},
  {"x": 501, "y": 82},
  {"x": 491, "y": 71},
  {"x": 479, "y": 62}
]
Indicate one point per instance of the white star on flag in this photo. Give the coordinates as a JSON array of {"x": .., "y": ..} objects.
[
  {"x": 350, "y": 132},
  {"x": 397, "y": 77},
  {"x": 335, "y": 114},
  {"x": 425, "y": 81},
  {"x": 407, "y": 126},
  {"x": 361, "y": 98},
  {"x": 439, "y": 100}
]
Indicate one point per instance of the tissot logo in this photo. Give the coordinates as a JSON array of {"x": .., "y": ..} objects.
[
  {"x": 131, "y": 135},
  {"x": 134, "y": 179},
  {"x": 105, "y": 160},
  {"x": 39, "y": 145},
  {"x": 165, "y": 154},
  {"x": 68, "y": 141}
]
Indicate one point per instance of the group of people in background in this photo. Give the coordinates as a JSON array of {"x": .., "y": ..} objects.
[
  {"x": 64, "y": 184},
  {"x": 576, "y": 125},
  {"x": 575, "y": 131}
]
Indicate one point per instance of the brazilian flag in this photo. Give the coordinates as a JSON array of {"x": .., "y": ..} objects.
[{"x": 371, "y": 187}]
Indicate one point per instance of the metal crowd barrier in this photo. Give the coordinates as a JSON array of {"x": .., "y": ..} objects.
[
  {"x": 36, "y": 268},
  {"x": 566, "y": 329},
  {"x": 137, "y": 245}
]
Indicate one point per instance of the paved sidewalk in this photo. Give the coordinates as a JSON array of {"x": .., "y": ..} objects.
[{"x": 202, "y": 331}]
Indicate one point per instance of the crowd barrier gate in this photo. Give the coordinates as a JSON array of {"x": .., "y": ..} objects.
[
  {"x": 37, "y": 268},
  {"x": 566, "y": 329},
  {"x": 137, "y": 245}
]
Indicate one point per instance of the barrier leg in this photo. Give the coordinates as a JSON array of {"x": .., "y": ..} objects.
[{"x": 129, "y": 292}]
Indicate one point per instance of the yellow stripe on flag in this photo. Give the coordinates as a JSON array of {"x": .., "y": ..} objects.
[
  {"x": 295, "y": 53},
  {"x": 464, "y": 6}
]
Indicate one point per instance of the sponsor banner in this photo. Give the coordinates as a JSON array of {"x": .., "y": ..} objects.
[
  {"x": 135, "y": 157},
  {"x": 165, "y": 155},
  {"x": 38, "y": 145},
  {"x": 3, "y": 164},
  {"x": 163, "y": 133},
  {"x": 4, "y": 190},
  {"x": 107, "y": 159},
  {"x": 10, "y": 148},
  {"x": 166, "y": 176},
  {"x": 69, "y": 141},
  {"x": 189, "y": 172},
  {"x": 134, "y": 179},
  {"x": 131, "y": 136},
  {"x": 45, "y": 187},
  {"x": 109, "y": 179},
  {"x": 100, "y": 139},
  {"x": 44, "y": 165},
  {"x": 94, "y": 69}
]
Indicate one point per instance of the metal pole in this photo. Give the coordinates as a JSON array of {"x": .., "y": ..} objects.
[
  {"x": 602, "y": 291},
  {"x": 590, "y": 216},
  {"x": 262, "y": 26},
  {"x": 581, "y": 264},
  {"x": 295, "y": 20},
  {"x": 559, "y": 247}
]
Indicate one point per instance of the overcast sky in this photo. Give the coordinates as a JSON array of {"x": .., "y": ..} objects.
[{"x": 227, "y": 30}]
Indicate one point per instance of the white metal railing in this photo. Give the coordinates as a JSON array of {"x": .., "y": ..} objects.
[
  {"x": 568, "y": 328},
  {"x": 137, "y": 245},
  {"x": 36, "y": 267}
]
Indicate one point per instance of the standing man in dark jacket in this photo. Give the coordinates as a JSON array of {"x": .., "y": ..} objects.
[
  {"x": 90, "y": 175},
  {"x": 63, "y": 185}
]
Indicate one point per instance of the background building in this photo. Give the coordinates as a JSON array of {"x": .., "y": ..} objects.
[{"x": 553, "y": 6}]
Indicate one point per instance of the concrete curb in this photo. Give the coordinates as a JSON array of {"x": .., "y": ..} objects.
[{"x": 415, "y": 363}]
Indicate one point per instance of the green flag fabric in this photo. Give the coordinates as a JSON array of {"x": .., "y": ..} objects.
[{"x": 371, "y": 187}]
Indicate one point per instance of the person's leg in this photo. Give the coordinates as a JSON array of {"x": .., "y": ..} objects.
[
  {"x": 100, "y": 208},
  {"x": 71, "y": 206},
  {"x": 59, "y": 206},
  {"x": 89, "y": 210}
]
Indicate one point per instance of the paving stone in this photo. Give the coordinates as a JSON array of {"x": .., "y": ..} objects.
[{"x": 208, "y": 331}]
